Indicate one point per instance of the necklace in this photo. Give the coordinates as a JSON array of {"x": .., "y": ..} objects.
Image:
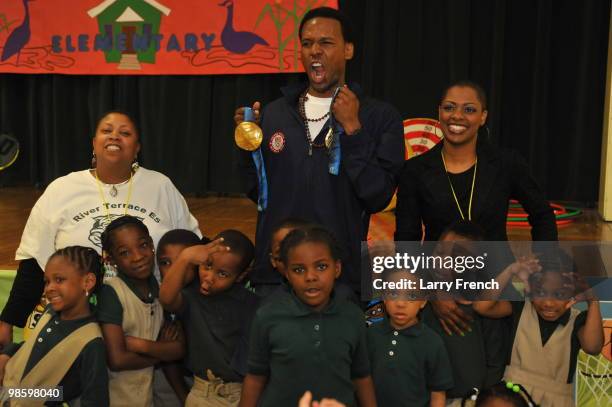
[
  {"x": 113, "y": 190},
  {"x": 302, "y": 110},
  {"x": 111, "y": 193},
  {"x": 453, "y": 189}
]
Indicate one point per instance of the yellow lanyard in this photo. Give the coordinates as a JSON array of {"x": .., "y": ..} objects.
[
  {"x": 453, "y": 189},
  {"x": 106, "y": 205}
]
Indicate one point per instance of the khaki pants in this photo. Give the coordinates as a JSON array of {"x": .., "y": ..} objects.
[
  {"x": 457, "y": 403},
  {"x": 213, "y": 393}
]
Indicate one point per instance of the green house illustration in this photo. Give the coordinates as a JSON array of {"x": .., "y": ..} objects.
[{"x": 134, "y": 23}]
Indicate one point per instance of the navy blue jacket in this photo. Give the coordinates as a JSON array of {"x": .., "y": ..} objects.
[{"x": 301, "y": 186}]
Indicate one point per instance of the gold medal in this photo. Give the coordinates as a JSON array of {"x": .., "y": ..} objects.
[{"x": 248, "y": 136}]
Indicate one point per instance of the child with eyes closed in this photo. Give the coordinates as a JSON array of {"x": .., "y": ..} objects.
[{"x": 131, "y": 315}]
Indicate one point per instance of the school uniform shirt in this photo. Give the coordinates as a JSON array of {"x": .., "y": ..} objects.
[
  {"x": 478, "y": 358},
  {"x": 300, "y": 349},
  {"x": 300, "y": 185},
  {"x": 87, "y": 378},
  {"x": 548, "y": 328},
  {"x": 217, "y": 330},
  {"x": 407, "y": 364},
  {"x": 110, "y": 309},
  {"x": 122, "y": 304},
  {"x": 72, "y": 212}
]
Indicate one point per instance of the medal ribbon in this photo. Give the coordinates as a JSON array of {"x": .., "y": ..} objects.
[
  {"x": 262, "y": 180},
  {"x": 334, "y": 149}
]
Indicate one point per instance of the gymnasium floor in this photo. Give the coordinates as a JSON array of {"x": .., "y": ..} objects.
[{"x": 216, "y": 214}]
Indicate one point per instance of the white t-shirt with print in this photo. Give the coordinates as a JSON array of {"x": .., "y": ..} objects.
[{"x": 71, "y": 212}]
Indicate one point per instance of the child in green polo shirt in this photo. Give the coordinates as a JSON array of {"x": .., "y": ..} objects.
[
  {"x": 174, "y": 389},
  {"x": 306, "y": 339},
  {"x": 477, "y": 352},
  {"x": 131, "y": 315},
  {"x": 343, "y": 291},
  {"x": 66, "y": 348},
  {"x": 410, "y": 366},
  {"x": 215, "y": 310}
]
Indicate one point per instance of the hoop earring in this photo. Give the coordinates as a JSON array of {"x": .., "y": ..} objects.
[{"x": 94, "y": 161}]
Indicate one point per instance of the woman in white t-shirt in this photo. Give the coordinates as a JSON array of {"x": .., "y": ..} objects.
[{"x": 76, "y": 208}]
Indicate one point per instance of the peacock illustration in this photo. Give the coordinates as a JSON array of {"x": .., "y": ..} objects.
[
  {"x": 19, "y": 37},
  {"x": 238, "y": 42}
]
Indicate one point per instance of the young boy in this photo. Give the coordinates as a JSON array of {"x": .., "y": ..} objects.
[
  {"x": 547, "y": 332},
  {"x": 476, "y": 346},
  {"x": 216, "y": 312},
  {"x": 305, "y": 339},
  {"x": 341, "y": 290},
  {"x": 171, "y": 244},
  {"x": 410, "y": 366}
]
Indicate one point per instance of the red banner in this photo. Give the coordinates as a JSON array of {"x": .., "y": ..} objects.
[{"x": 152, "y": 37}]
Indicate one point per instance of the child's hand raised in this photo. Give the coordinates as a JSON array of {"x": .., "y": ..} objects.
[
  {"x": 581, "y": 289},
  {"x": 523, "y": 267},
  {"x": 200, "y": 254}
]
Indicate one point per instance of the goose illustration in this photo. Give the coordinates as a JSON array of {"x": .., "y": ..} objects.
[
  {"x": 238, "y": 42},
  {"x": 19, "y": 37}
]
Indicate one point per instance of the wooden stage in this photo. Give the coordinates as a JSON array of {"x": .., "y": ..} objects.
[{"x": 216, "y": 214}]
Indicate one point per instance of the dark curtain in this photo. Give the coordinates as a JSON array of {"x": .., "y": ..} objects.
[{"x": 542, "y": 63}]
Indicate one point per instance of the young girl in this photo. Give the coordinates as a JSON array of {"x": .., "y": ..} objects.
[
  {"x": 66, "y": 348},
  {"x": 504, "y": 394},
  {"x": 305, "y": 338},
  {"x": 343, "y": 291},
  {"x": 131, "y": 315},
  {"x": 548, "y": 332}
]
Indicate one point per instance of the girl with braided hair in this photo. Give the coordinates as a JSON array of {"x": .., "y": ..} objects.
[
  {"x": 131, "y": 315},
  {"x": 503, "y": 394},
  {"x": 66, "y": 347}
]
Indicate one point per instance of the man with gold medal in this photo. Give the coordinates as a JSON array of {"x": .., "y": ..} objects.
[{"x": 326, "y": 152}]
